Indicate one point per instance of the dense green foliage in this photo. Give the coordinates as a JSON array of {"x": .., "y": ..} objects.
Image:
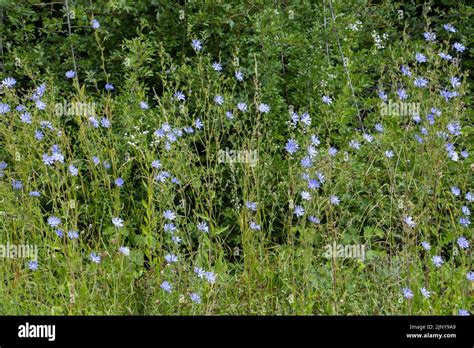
[{"x": 291, "y": 55}]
